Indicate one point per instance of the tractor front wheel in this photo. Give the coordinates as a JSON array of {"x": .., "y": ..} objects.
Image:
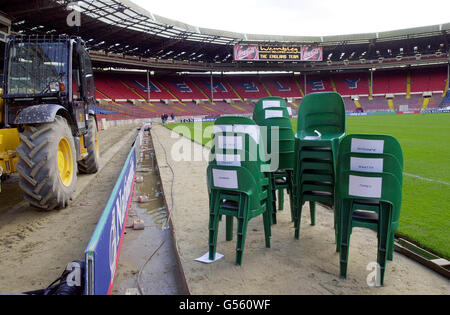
[
  {"x": 47, "y": 164},
  {"x": 91, "y": 163}
]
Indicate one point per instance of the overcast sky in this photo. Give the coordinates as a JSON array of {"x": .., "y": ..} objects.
[{"x": 301, "y": 17}]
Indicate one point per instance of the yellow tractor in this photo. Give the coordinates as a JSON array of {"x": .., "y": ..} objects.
[
  {"x": 9, "y": 141},
  {"x": 47, "y": 132}
]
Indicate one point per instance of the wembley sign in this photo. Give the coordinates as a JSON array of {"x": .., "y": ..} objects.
[{"x": 277, "y": 53}]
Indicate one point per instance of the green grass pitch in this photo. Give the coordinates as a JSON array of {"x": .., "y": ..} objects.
[{"x": 425, "y": 140}]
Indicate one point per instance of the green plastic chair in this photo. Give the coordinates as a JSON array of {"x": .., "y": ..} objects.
[
  {"x": 381, "y": 221},
  {"x": 251, "y": 150},
  {"x": 230, "y": 124},
  {"x": 276, "y": 119},
  {"x": 392, "y": 163},
  {"x": 381, "y": 212},
  {"x": 251, "y": 194},
  {"x": 219, "y": 157},
  {"x": 245, "y": 201},
  {"x": 319, "y": 114},
  {"x": 323, "y": 112},
  {"x": 270, "y": 102},
  {"x": 253, "y": 147},
  {"x": 390, "y": 145}
]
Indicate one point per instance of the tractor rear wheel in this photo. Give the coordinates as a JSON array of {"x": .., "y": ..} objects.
[
  {"x": 47, "y": 164},
  {"x": 91, "y": 163}
]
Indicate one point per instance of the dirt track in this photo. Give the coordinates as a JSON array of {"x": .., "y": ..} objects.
[
  {"x": 306, "y": 266},
  {"x": 36, "y": 246}
]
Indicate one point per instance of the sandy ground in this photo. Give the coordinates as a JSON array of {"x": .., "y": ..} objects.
[
  {"x": 36, "y": 246},
  {"x": 306, "y": 266}
]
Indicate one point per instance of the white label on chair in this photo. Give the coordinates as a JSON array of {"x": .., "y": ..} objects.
[
  {"x": 228, "y": 159},
  {"x": 366, "y": 165},
  {"x": 367, "y": 146},
  {"x": 271, "y": 103},
  {"x": 225, "y": 179},
  {"x": 369, "y": 187},
  {"x": 252, "y": 130},
  {"x": 230, "y": 142},
  {"x": 289, "y": 109},
  {"x": 273, "y": 114},
  {"x": 222, "y": 128}
]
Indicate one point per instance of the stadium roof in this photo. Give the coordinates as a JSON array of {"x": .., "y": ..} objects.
[{"x": 121, "y": 28}]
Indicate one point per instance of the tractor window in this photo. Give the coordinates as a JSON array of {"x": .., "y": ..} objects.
[
  {"x": 76, "y": 77},
  {"x": 34, "y": 65},
  {"x": 89, "y": 75}
]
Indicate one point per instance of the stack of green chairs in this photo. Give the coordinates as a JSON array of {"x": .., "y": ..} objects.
[
  {"x": 321, "y": 126},
  {"x": 271, "y": 113},
  {"x": 369, "y": 192},
  {"x": 237, "y": 185}
]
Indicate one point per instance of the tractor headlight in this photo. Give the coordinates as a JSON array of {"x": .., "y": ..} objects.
[{"x": 54, "y": 87}]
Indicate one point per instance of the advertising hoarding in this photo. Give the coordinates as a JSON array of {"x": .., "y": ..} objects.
[
  {"x": 103, "y": 250},
  {"x": 311, "y": 53}
]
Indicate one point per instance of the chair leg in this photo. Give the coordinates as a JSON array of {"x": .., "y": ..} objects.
[
  {"x": 346, "y": 226},
  {"x": 229, "y": 228},
  {"x": 384, "y": 231},
  {"x": 267, "y": 227},
  {"x": 337, "y": 227},
  {"x": 274, "y": 206},
  {"x": 269, "y": 204},
  {"x": 280, "y": 199},
  {"x": 312, "y": 210},
  {"x": 390, "y": 254},
  {"x": 298, "y": 217},
  {"x": 268, "y": 215},
  {"x": 241, "y": 230},
  {"x": 213, "y": 227},
  {"x": 291, "y": 196}
]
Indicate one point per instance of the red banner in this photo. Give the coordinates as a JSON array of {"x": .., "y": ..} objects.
[
  {"x": 246, "y": 52},
  {"x": 310, "y": 53}
]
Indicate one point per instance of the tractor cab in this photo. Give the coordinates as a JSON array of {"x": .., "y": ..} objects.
[{"x": 48, "y": 70}]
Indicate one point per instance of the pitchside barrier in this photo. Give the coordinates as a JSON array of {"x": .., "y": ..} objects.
[
  {"x": 103, "y": 251},
  {"x": 436, "y": 110}
]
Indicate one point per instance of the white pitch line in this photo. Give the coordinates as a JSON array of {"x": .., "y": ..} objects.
[{"x": 427, "y": 179}]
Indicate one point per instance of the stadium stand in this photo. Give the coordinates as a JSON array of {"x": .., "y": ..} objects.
[
  {"x": 318, "y": 84},
  {"x": 247, "y": 87},
  {"x": 446, "y": 100},
  {"x": 350, "y": 105},
  {"x": 378, "y": 103},
  {"x": 389, "y": 82},
  {"x": 281, "y": 86},
  {"x": 431, "y": 80},
  {"x": 112, "y": 87},
  {"x": 435, "y": 101},
  {"x": 139, "y": 84},
  {"x": 352, "y": 83},
  {"x": 414, "y": 102},
  {"x": 126, "y": 93},
  {"x": 182, "y": 89},
  {"x": 438, "y": 81},
  {"x": 221, "y": 89}
]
